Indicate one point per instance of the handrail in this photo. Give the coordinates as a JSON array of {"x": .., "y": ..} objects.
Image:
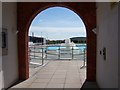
[{"x": 60, "y": 51}]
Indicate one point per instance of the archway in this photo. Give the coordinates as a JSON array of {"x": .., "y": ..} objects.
[
  {"x": 26, "y": 13},
  {"x": 59, "y": 24}
]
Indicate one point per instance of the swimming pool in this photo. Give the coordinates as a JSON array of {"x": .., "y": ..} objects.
[{"x": 80, "y": 46}]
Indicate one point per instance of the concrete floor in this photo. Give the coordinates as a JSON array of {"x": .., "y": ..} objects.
[{"x": 56, "y": 74}]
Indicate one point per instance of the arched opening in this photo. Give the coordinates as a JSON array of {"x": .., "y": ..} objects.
[
  {"x": 87, "y": 11},
  {"x": 59, "y": 24}
]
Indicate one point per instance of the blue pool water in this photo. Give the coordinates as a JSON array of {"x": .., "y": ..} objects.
[
  {"x": 80, "y": 46},
  {"x": 52, "y": 47}
]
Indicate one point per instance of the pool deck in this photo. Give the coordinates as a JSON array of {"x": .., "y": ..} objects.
[{"x": 61, "y": 74}]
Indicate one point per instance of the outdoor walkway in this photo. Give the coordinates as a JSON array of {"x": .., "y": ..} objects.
[{"x": 57, "y": 74}]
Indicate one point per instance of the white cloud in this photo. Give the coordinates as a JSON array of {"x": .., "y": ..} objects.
[
  {"x": 57, "y": 33},
  {"x": 56, "y": 29}
]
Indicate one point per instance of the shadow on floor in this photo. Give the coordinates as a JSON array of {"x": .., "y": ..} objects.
[{"x": 90, "y": 85}]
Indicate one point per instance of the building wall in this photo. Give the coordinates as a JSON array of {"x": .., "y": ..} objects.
[
  {"x": 10, "y": 61},
  {"x": 119, "y": 43},
  {"x": 87, "y": 12},
  {"x": 107, "y": 36},
  {"x": 0, "y": 47}
]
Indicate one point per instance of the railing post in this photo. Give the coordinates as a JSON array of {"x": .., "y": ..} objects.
[
  {"x": 29, "y": 53},
  {"x": 72, "y": 53},
  {"x": 59, "y": 53},
  {"x": 84, "y": 58},
  {"x": 34, "y": 51},
  {"x": 42, "y": 57},
  {"x": 46, "y": 53}
]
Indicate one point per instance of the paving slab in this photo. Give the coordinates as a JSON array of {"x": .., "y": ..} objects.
[{"x": 56, "y": 74}]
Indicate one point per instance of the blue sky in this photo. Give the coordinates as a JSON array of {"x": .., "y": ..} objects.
[{"x": 57, "y": 23}]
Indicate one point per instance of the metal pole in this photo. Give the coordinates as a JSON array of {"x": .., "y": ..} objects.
[
  {"x": 46, "y": 52},
  {"x": 42, "y": 57},
  {"x": 72, "y": 52},
  {"x": 29, "y": 53},
  {"x": 59, "y": 53},
  {"x": 34, "y": 51},
  {"x": 84, "y": 58}
]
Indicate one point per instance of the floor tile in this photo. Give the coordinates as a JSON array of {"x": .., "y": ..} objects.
[
  {"x": 72, "y": 81},
  {"x": 72, "y": 86},
  {"x": 45, "y": 76},
  {"x": 58, "y": 76},
  {"x": 42, "y": 80},
  {"x": 57, "y": 81},
  {"x": 37, "y": 85},
  {"x": 55, "y": 85}
]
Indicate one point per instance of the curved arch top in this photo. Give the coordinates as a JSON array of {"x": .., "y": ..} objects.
[
  {"x": 52, "y": 6},
  {"x": 26, "y": 13},
  {"x": 86, "y": 11},
  {"x": 58, "y": 17}
]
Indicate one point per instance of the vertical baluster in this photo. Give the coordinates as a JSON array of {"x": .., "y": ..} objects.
[
  {"x": 84, "y": 58},
  {"x": 59, "y": 53},
  {"x": 72, "y": 53},
  {"x": 42, "y": 57},
  {"x": 34, "y": 51},
  {"x": 46, "y": 52}
]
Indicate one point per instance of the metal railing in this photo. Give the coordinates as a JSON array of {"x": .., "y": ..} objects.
[{"x": 41, "y": 53}]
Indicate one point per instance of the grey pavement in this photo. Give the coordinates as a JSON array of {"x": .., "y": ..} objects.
[{"x": 56, "y": 74}]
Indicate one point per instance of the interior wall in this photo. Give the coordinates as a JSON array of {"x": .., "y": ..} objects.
[
  {"x": 0, "y": 47},
  {"x": 10, "y": 61},
  {"x": 119, "y": 43},
  {"x": 107, "y": 36}
]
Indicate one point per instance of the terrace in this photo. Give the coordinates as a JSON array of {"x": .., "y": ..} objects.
[
  {"x": 56, "y": 74},
  {"x": 49, "y": 68}
]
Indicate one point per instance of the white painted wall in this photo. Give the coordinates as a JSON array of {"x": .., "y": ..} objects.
[
  {"x": 107, "y": 36},
  {"x": 10, "y": 61},
  {"x": 1, "y": 71}
]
